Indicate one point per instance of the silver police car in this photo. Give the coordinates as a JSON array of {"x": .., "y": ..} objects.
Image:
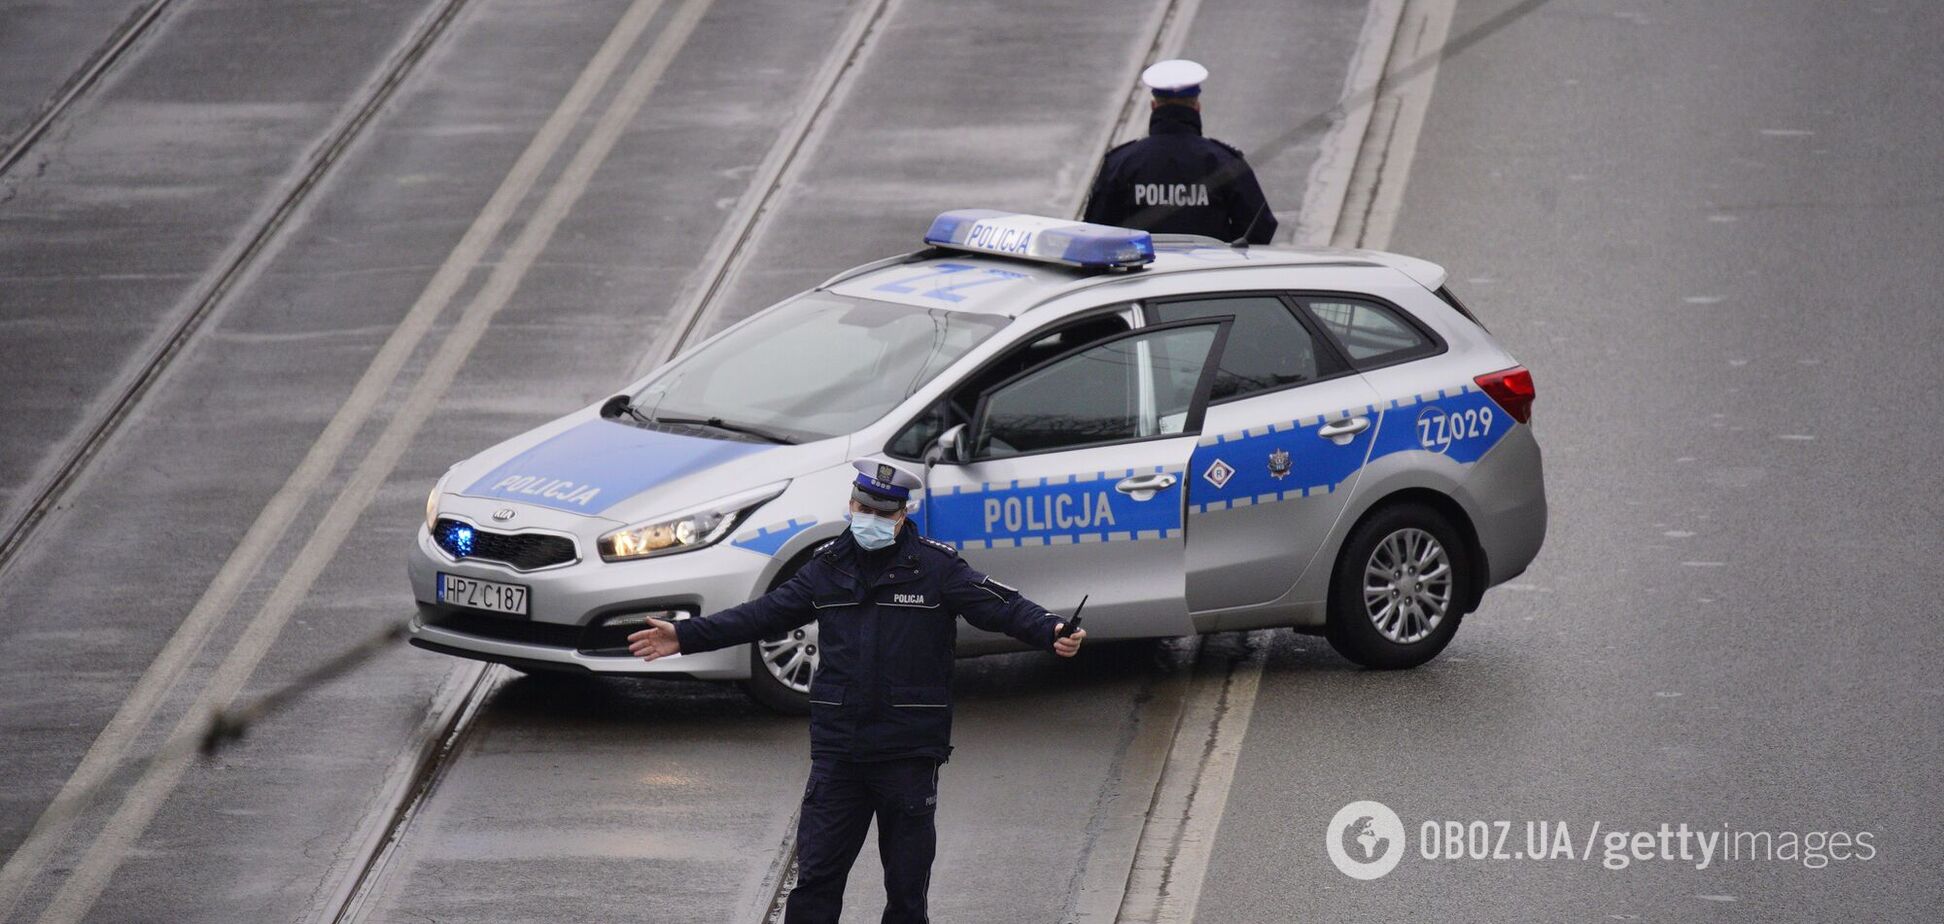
[{"x": 1200, "y": 437}]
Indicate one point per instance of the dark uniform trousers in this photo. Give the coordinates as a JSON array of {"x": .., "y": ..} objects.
[
  {"x": 838, "y": 804},
  {"x": 880, "y": 703}
]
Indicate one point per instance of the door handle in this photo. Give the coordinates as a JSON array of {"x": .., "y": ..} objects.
[
  {"x": 1143, "y": 487},
  {"x": 1342, "y": 430}
]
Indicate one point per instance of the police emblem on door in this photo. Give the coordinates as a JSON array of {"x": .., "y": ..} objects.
[{"x": 1279, "y": 464}]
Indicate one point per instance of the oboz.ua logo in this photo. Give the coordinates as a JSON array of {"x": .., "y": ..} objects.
[{"x": 1365, "y": 840}]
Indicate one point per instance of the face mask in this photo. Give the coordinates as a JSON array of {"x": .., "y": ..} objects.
[{"x": 872, "y": 531}]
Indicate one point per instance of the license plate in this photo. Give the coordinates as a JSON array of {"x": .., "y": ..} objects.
[{"x": 482, "y": 595}]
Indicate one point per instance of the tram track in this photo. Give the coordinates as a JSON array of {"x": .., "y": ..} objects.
[
  {"x": 129, "y": 389},
  {"x": 440, "y": 741},
  {"x": 98, "y": 63}
]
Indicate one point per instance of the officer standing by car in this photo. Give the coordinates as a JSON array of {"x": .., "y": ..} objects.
[
  {"x": 1175, "y": 181},
  {"x": 886, "y": 602}
]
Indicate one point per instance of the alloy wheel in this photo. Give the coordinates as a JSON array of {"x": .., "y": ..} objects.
[{"x": 1407, "y": 585}]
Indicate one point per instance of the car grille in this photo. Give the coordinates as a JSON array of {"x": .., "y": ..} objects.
[{"x": 524, "y": 551}]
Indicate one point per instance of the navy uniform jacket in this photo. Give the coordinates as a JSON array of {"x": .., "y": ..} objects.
[
  {"x": 883, "y": 687},
  {"x": 1172, "y": 182}
]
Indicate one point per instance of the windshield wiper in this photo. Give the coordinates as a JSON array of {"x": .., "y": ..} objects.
[{"x": 721, "y": 424}]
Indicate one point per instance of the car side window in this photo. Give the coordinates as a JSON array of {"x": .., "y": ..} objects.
[
  {"x": 957, "y": 407},
  {"x": 1369, "y": 332},
  {"x": 1129, "y": 388},
  {"x": 1267, "y": 347}
]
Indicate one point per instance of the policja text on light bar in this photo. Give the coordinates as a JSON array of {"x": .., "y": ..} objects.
[{"x": 1040, "y": 238}]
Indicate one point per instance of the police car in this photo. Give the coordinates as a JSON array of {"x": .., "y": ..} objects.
[{"x": 1199, "y": 437}]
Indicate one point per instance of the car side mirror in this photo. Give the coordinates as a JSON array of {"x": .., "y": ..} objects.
[
  {"x": 615, "y": 407},
  {"x": 950, "y": 447}
]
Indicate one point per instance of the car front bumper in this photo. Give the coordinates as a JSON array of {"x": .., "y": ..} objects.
[
  {"x": 723, "y": 664},
  {"x": 565, "y": 601}
]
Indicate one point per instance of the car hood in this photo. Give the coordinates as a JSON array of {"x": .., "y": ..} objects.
[{"x": 617, "y": 471}]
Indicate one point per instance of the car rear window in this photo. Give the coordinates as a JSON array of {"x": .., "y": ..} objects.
[
  {"x": 1369, "y": 333},
  {"x": 1451, "y": 298}
]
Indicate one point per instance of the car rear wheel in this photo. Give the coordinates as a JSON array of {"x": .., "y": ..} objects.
[{"x": 1399, "y": 588}]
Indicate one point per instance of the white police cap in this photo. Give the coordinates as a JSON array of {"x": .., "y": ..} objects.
[
  {"x": 1175, "y": 77},
  {"x": 882, "y": 486}
]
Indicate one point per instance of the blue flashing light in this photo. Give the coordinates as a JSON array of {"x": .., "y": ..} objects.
[
  {"x": 459, "y": 540},
  {"x": 1042, "y": 239}
]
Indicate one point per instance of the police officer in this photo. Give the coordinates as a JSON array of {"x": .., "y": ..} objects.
[
  {"x": 886, "y": 602},
  {"x": 1176, "y": 181}
]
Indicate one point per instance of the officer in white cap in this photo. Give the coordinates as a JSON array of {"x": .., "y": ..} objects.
[
  {"x": 1176, "y": 181},
  {"x": 886, "y": 601}
]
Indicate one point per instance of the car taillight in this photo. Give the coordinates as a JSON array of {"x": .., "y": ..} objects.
[{"x": 1512, "y": 389}]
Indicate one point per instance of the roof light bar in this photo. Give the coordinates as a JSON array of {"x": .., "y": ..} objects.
[{"x": 1041, "y": 239}]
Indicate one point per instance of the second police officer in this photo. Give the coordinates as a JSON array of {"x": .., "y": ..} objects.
[
  {"x": 886, "y": 602},
  {"x": 1175, "y": 181}
]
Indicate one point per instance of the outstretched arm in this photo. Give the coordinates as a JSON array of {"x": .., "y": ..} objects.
[
  {"x": 773, "y": 613},
  {"x": 995, "y": 607}
]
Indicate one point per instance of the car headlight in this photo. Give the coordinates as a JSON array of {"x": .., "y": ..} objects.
[
  {"x": 696, "y": 528},
  {"x": 432, "y": 504}
]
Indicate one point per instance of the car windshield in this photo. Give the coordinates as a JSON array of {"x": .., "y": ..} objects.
[{"x": 816, "y": 366}]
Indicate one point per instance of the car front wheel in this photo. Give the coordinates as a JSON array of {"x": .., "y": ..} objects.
[
  {"x": 1399, "y": 588},
  {"x": 780, "y": 669}
]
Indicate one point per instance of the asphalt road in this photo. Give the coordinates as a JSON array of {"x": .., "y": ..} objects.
[
  {"x": 263, "y": 425},
  {"x": 1711, "y": 232}
]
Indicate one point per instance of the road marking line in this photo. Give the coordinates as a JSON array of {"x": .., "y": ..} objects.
[
  {"x": 1168, "y": 25},
  {"x": 1163, "y": 878},
  {"x": 1336, "y": 155},
  {"x": 1120, "y": 817},
  {"x": 1375, "y": 194},
  {"x": 90, "y": 876},
  {"x": 1172, "y": 859},
  {"x": 111, "y": 746},
  {"x": 361, "y": 893},
  {"x": 1177, "y": 19}
]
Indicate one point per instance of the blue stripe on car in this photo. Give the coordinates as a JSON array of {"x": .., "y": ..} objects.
[
  {"x": 1462, "y": 423},
  {"x": 769, "y": 539},
  {"x": 1069, "y": 510}
]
